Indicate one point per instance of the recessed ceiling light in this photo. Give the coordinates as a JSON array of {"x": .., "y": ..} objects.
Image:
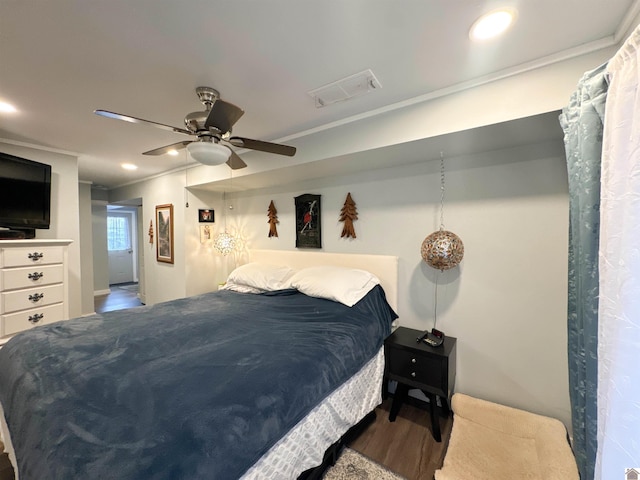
[
  {"x": 129, "y": 166},
  {"x": 7, "y": 108},
  {"x": 173, "y": 153},
  {"x": 492, "y": 24}
]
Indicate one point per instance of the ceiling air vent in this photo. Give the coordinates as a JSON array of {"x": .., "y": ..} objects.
[{"x": 349, "y": 87}]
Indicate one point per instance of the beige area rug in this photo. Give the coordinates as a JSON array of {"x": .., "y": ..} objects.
[{"x": 352, "y": 465}]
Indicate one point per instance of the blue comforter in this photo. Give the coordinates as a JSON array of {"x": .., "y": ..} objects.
[{"x": 196, "y": 388}]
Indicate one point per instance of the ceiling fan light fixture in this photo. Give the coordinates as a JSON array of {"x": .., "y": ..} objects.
[{"x": 209, "y": 153}]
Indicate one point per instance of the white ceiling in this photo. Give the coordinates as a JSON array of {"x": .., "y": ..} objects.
[{"x": 60, "y": 60}]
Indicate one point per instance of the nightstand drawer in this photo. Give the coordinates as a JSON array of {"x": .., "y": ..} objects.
[{"x": 417, "y": 368}]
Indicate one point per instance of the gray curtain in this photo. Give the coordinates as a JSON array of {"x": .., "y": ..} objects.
[{"x": 582, "y": 122}]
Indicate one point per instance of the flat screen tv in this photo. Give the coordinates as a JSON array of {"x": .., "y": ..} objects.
[{"x": 25, "y": 196}]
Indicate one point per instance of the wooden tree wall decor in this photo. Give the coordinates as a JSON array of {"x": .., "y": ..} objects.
[
  {"x": 272, "y": 213},
  {"x": 348, "y": 214}
]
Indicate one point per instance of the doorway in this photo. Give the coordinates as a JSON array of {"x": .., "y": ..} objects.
[{"x": 122, "y": 245}]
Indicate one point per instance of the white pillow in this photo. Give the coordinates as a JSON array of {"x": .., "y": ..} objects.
[
  {"x": 240, "y": 288},
  {"x": 340, "y": 284},
  {"x": 262, "y": 276}
]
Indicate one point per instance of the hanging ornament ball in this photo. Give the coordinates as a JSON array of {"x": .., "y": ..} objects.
[
  {"x": 224, "y": 243},
  {"x": 442, "y": 250}
]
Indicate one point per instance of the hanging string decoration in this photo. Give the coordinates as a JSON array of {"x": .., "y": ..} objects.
[
  {"x": 442, "y": 249},
  {"x": 224, "y": 243},
  {"x": 348, "y": 215},
  {"x": 272, "y": 213},
  {"x": 151, "y": 231}
]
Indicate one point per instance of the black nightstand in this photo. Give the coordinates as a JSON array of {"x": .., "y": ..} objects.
[{"x": 417, "y": 365}]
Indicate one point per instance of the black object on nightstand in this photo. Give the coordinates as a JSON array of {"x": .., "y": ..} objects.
[{"x": 417, "y": 365}]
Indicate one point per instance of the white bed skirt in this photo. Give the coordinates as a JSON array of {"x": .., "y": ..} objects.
[{"x": 304, "y": 446}]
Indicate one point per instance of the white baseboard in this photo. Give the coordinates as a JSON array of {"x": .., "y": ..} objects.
[{"x": 97, "y": 293}]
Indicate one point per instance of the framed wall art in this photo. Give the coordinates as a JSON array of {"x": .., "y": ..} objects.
[
  {"x": 206, "y": 216},
  {"x": 308, "y": 221},
  {"x": 164, "y": 233},
  {"x": 206, "y": 233}
]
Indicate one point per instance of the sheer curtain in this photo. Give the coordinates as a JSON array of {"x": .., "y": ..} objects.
[
  {"x": 619, "y": 264},
  {"x": 582, "y": 122}
]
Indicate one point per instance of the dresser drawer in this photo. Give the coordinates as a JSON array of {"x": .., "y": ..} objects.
[
  {"x": 16, "y": 300},
  {"x": 24, "y": 277},
  {"x": 414, "y": 367},
  {"x": 17, "y": 322},
  {"x": 35, "y": 255}
]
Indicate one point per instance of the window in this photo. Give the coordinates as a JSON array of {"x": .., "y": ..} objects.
[{"x": 118, "y": 237}]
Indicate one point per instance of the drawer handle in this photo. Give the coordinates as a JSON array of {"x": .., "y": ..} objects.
[
  {"x": 413, "y": 374},
  {"x": 35, "y": 256},
  {"x": 36, "y": 297},
  {"x": 35, "y": 276},
  {"x": 413, "y": 360},
  {"x": 36, "y": 318}
]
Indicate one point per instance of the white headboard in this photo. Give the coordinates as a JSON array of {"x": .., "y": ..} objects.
[{"x": 385, "y": 267}]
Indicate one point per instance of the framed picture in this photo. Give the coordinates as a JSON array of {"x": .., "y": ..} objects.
[
  {"x": 206, "y": 216},
  {"x": 164, "y": 233},
  {"x": 206, "y": 233},
  {"x": 308, "y": 221}
]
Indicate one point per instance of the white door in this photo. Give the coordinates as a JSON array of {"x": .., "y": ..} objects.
[{"x": 120, "y": 247}]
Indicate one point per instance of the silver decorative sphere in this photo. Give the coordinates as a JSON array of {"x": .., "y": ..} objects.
[{"x": 442, "y": 250}]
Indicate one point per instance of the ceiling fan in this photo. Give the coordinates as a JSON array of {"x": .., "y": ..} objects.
[{"x": 211, "y": 127}]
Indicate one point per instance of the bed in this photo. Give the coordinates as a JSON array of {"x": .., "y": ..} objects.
[{"x": 230, "y": 384}]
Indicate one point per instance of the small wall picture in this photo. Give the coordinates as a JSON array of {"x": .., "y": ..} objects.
[
  {"x": 206, "y": 216},
  {"x": 308, "y": 221},
  {"x": 206, "y": 233},
  {"x": 164, "y": 233}
]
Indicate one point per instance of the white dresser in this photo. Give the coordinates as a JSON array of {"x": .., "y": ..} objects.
[{"x": 34, "y": 286}]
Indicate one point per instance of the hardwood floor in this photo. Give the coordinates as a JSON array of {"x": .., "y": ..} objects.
[
  {"x": 405, "y": 446},
  {"x": 122, "y": 296}
]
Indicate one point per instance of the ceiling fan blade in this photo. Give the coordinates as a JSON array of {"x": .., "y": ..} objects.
[
  {"x": 127, "y": 118},
  {"x": 263, "y": 146},
  {"x": 168, "y": 148},
  {"x": 235, "y": 162},
  {"x": 223, "y": 116}
]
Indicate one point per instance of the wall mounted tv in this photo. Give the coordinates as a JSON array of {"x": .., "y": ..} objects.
[{"x": 25, "y": 196}]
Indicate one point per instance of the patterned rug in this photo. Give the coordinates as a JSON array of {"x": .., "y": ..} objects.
[{"x": 353, "y": 466}]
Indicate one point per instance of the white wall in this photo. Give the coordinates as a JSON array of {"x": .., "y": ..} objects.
[
  {"x": 196, "y": 268},
  {"x": 99, "y": 251},
  {"x": 65, "y": 209},
  {"x": 506, "y": 303},
  {"x": 86, "y": 247}
]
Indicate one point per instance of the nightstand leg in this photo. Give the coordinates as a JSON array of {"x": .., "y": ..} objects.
[
  {"x": 445, "y": 406},
  {"x": 435, "y": 419},
  {"x": 398, "y": 397}
]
